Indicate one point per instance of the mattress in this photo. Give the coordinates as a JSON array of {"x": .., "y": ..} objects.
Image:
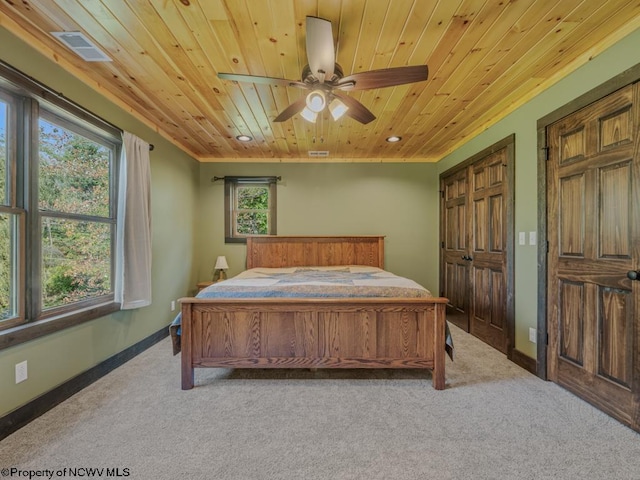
[{"x": 315, "y": 282}]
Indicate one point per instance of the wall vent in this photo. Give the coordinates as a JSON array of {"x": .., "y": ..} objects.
[
  {"x": 80, "y": 44},
  {"x": 318, "y": 153}
]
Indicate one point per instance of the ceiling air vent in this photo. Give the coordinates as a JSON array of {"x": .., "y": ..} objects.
[
  {"x": 80, "y": 44},
  {"x": 318, "y": 153}
]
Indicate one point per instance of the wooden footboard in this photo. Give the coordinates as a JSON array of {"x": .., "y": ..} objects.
[{"x": 314, "y": 333}]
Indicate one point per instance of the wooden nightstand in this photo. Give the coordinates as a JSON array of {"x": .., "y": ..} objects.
[{"x": 202, "y": 285}]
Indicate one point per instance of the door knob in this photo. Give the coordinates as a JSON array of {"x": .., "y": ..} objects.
[{"x": 633, "y": 274}]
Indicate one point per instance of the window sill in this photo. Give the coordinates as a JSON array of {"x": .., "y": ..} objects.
[
  {"x": 235, "y": 240},
  {"x": 30, "y": 331}
]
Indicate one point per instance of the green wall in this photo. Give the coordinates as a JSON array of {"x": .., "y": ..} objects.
[
  {"x": 397, "y": 200},
  {"x": 523, "y": 122},
  {"x": 56, "y": 358}
]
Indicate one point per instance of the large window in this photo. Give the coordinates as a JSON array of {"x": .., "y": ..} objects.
[
  {"x": 58, "y": 213},
  {"x": 250, "y": 207}
]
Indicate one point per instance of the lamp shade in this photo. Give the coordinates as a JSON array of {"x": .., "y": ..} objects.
[
  {"x": 221, "y": 263},
  {"x": 308, "y": 115},
  {"x": 316, "y": 101},
  {"x": 337, "y": 108}
]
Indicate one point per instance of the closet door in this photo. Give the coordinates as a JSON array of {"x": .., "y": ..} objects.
[
  {"x": 593, "y": 283},
  {"x": 476, "y": 268},
  {"x": 488, "y": 259},
  {"x": 454, "y": 271}
]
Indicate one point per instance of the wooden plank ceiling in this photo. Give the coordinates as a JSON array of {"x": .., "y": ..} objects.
[{"x": 485, "y": 58}]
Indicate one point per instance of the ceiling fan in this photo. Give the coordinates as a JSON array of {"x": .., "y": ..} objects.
[{"x": 324, "y": 77}]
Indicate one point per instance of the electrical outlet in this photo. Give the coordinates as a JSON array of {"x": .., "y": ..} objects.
[
  {"x": 173, "y": 305},
  {"x": 533, "y": 335},
  {"x": 21, "y": 371}
]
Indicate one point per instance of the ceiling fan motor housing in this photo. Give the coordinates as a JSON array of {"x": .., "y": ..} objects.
[{"x": 309, "y": 78}]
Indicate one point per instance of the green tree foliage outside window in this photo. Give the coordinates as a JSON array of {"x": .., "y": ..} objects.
[
  {"x": 6, "y": 268},
  {"x": 73, "y": 182},
  {"x": 6, "y": 238},
  {"x": 252, "y": 213}
]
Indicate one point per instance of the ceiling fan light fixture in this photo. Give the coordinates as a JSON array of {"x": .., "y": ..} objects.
[
  {"x": 322, "y": 75},
  {"x": 337, "y": 108},
  {"x": 309, "y": 115},
  {"x": 316, "y": 101}
]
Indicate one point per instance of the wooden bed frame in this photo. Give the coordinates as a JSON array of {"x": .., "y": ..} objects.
[{"x": 318, "y": 332}]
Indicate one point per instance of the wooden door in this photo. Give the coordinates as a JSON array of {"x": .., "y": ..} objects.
[
  {"x": 454, "y": 265},
  {"x": 488, "y": 259},
  {"x": 477, "y": 247},
  {"x": 593, "y": 218}
]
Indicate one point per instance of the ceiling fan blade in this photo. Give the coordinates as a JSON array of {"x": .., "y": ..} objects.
[
  {"x": 356, "y": 110},
  {"x": 283, "y": 82},
  {"x": 291, "y": 110},
  {"x": 321, "y": 52},
  {"x": 386, "y": 77}
]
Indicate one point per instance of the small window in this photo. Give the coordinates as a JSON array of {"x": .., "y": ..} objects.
[{"x": 250, "y": 207}]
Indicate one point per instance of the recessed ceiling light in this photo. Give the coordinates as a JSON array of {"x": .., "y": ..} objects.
[
  {"x": 244, "y": 138},
  {"x": 393, "y": 139}
]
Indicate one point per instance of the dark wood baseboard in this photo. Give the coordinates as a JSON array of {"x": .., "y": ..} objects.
[
  {"x": 524, "y": 361},
  {"x": 23, "y": 415}
]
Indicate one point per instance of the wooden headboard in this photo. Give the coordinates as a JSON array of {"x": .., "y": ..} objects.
[{"x": 296, "y": 251}]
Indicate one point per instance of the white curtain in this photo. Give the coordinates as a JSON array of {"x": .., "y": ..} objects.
[{"x": 133, "y": 261}]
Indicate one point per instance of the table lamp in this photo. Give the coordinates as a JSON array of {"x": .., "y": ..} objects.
[{"x": 219, "y": 273}]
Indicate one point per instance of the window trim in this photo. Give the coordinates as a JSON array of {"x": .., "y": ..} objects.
[
  {"x": 230, "y": 186},
  {"x": 28, "y": 98},
  {"x": 25, "y": 332}
]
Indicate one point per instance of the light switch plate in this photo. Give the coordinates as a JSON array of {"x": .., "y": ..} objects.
[
  {"x": 21, "y": 372},
  {"x": 521, "y": 239},
  {"x": 532, "y": 238}
]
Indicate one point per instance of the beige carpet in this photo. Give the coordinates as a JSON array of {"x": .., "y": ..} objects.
[{"x": 494, "y": 421}]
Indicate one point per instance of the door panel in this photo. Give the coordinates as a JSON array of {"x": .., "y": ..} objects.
[
  {"x": 479, "y": 225},
  {"x": 615, "y": 334},
  {"x": 571, "y": 317},
  {"x": 594, "y": 235},
  {"x": 571, "y": 213},
  {"x": 496, "y": 216},
  {"x": 614, "y": 193}
]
